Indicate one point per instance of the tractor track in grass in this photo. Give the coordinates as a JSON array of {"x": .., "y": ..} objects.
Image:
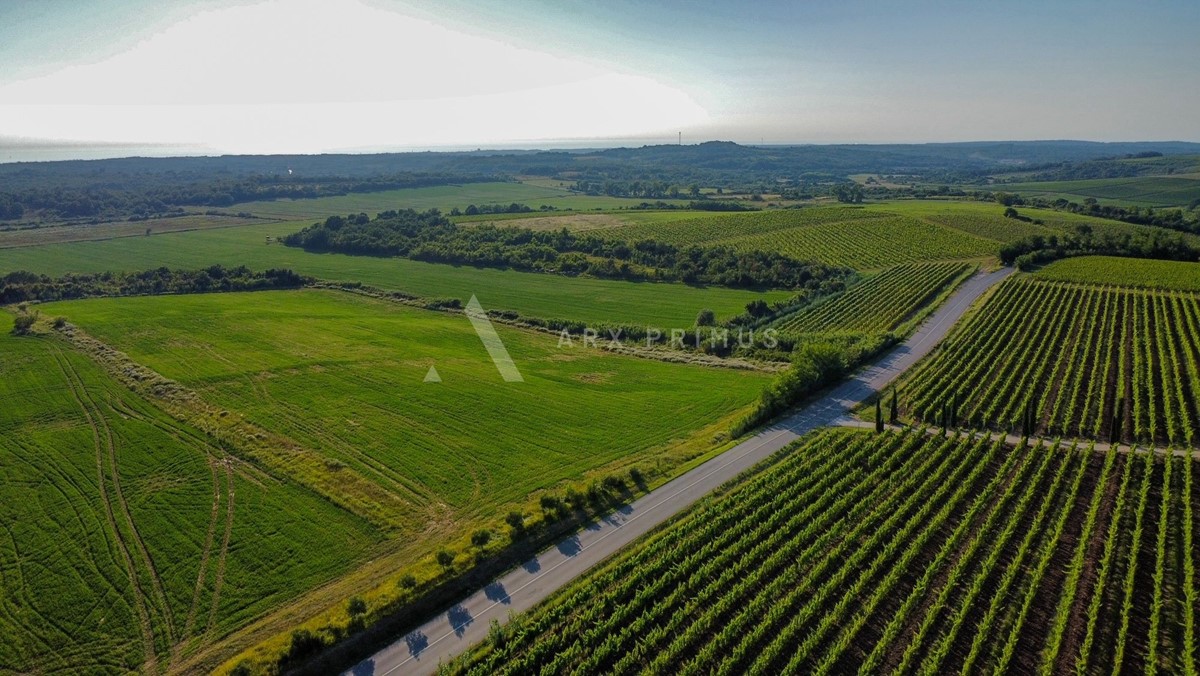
[
  {"x": 150, "y": 654},
  {"x": 219, "y": 578},
  {"x": 202, "y": 573}
]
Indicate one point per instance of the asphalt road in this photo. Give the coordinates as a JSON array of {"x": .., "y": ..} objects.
[{"x": 456, "y": 629}]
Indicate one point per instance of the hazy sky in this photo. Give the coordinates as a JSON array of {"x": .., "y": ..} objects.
[{"x": 318, "y": 75}]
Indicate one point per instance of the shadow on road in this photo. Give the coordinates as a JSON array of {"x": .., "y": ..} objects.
[
  {"x": 416, "y": 641},
  {"x": 570, "y": 546},
  {"x": 460, "y": 618},
  {"x": 496, "y": 592}
]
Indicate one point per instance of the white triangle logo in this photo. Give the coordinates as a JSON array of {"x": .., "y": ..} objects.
[{"x": 432, "y": 376}]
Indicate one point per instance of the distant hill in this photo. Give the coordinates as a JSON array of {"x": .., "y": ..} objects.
[{"x": 709, "y": 162}]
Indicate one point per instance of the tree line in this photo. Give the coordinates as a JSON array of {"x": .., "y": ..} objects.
[
  {"x": 430, "y": 236},
  {"x": 1037, "y": 250},
  {"x": 154, "y": 195},
  {"x": 22, "y": 286}
]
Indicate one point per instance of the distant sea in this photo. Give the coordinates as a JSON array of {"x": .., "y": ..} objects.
[{"x": 37, "y": 150}]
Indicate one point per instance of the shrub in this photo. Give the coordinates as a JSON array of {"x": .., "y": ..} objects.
[
  {"x": 356, "y": 606},
  {"x": 481, "y": 537},
  {"x": 516, "y": 521},
  {"x": 407, "y": 581},
  {"x": 23, "y": 323}
]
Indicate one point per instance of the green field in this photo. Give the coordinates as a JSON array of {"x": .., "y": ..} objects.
[
  {"x": 986, "y": 219},
  {"x": 873, "y": 236},
  {"x": 41, "y": 236},
  {"x": 1074, "y": 355},
  {"x": 538, "y": 295},
  {"x": 445, "y": 197},
  {"x": 894, "y": 553},
  {"x": 129, "y": 538},
  {"x": 344, "y": 374},
  {"x": 1146, "y": 191},
  {"x": 850, "y": 236},
  {"x": 881, "y": 303},
  {"x": 1136, "y": 272}
]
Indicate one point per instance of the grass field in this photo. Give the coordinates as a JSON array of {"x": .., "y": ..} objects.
[
  {"x": 130, "y": 539},
  {"x": 881, "y": 303},
  {"x": 445, "y": 197},
  {"x": 1135, "y": 272},
  {"x": 893, "y": 553},
  {"x": 539, "y": 295},
  {"x": 1075, "y": 355},
  {"x": 343, "y": 375},
  {"x": 350, "y": 384},
  {"x": 83, "y": 233},
  {"x": 1146, "y": 191}
]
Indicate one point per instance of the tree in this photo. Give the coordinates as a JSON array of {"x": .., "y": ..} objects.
[
  {"x": 356, "y": 606},
  {"x": 1010, "y": 213},
  {"x": 894, "y": 412},
  {"x": 758, "y": 308},
  {"x": 481, "y": 537},
  {"x": 879, "y": 415},
  {"x": 706, "y": 318},
  {"x": 445, "y": 559}
]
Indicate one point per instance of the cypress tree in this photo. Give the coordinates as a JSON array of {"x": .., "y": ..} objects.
[
  {"x": 1114, "y": 435},
  {"x": 879, "y": 415},
  {"x": 893, "y": 412}
]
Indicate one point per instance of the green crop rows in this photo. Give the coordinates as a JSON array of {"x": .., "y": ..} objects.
[
  {"x": 1074, "y": 355},
  {"x": 1138, "y": 272},
  {"x": 854, "y": 237},
  {"x": 881, "y": 303},
  {"x": 896, "y": 553}
]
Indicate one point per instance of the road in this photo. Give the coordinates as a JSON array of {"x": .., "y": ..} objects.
[{"x": 453, "y": 631}]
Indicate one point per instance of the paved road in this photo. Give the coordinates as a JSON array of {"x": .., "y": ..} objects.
[{"x": 453, "y": 631}]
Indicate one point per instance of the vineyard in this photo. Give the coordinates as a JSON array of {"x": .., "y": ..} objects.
[
  {"x": 1138, "y": 272},
  {"x": 1069, "y": 359},
  {"x": 882, "y": 302},
  {"x": 850, "y": 236},
  {"x": 897, "y": 553}
]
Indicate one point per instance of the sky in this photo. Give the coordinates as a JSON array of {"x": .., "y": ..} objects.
[{"x": 303, "y": 76}]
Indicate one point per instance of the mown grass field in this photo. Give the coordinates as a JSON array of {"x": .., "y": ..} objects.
[
  {"x": 1146, "y": 191},
  {"x": 56, "y": 234},
  {"x": 1135, "y": 272},
  {"x": 538, "y": 295},
  {"x": 1084, "y": 359},
  {"x": 445, "y": 197},
  {"x": 131, "y": 540},
  {"x": 344, "y": 374},
  {"x": 894, "y": 553}
]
